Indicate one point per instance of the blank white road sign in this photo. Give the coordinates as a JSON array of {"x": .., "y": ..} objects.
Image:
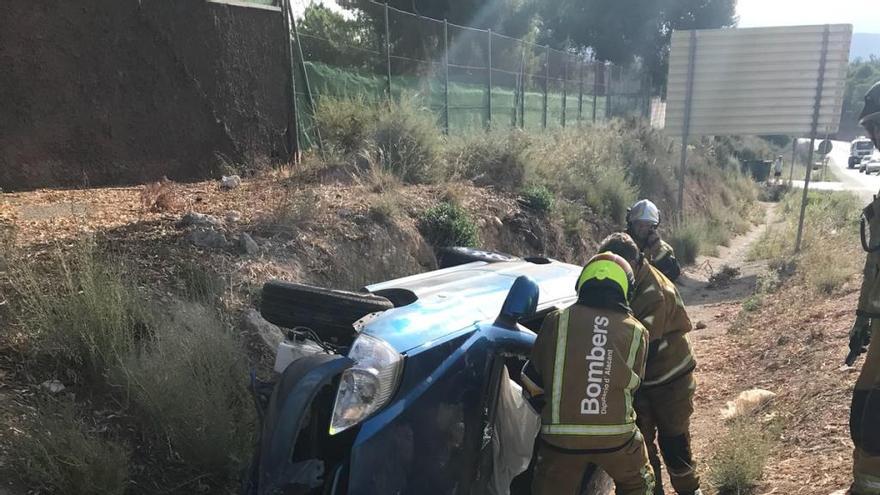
[{"x": 757, "y": 81}]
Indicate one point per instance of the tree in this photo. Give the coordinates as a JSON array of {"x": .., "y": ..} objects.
[
  {"x": 333, "y": 39},
  {"x": 623, "y": 30},
  {"x": 862, "y": 74}
]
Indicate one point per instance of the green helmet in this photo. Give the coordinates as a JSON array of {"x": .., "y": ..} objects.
[
  {"x": 610, "y": 270},
  {"x": 870, "y": 116}
]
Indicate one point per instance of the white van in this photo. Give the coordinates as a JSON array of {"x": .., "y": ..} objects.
[{"x": 859, "y": 149}]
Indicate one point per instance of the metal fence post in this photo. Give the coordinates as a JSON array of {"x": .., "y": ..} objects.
[
  {"x": 522, "y": 89},
  {"x": 595, "y": 89},
  {"x": 445, "y": 76},
  {"x": 609, "y": 87},
  {"x": 564, "y": 86},
  {"x": 489, "y": 80},
  {"x": 823, "y": 60},
  {"x": 580, "y": 90},
  {"x": 388, "y": 52},
  {"x": 546, "y": 85},
  {"x": 292, "y": 116}
]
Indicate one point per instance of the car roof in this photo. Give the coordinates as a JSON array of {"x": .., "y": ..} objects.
[{"x": 453, "y": 299}]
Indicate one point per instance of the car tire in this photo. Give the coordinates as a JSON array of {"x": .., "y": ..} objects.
[
  {"x": 329, "y": 312},
  {"x": 454, "y": 256}
]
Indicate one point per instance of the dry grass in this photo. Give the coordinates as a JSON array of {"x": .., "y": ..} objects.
[
  {"x": 188, "y": 387},
  {"x": 79, "y": 310},
  {"x": 161, "y": 196},
  {"x": 831, "y": 220},
  {"x": 740, "y": 457},
  {"x": 58, "y": 451}
]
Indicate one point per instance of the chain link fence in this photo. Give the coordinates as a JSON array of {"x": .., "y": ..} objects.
[{"x": 470, "y": 78}]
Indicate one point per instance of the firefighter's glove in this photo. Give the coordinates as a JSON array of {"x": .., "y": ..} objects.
[{"x": 859, "y": 339}]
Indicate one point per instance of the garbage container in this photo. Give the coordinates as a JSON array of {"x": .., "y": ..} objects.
[{"x": 758, "y": 169}]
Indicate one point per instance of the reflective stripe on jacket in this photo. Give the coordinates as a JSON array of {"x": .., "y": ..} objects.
[
  {"x": 591, "y": 360},
  {"x": 657, "y": 304}
]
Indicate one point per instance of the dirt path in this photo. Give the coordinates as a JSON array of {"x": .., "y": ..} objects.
[
  {"x": 713, "y": 310},
  {"x": 704, "y": 301}
]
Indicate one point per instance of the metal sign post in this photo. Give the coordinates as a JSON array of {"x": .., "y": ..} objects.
[
  {"x": 815, "y": 128},
  {"x": 692, "y": 59}
]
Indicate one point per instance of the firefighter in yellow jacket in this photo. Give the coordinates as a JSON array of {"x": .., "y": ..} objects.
[
  {"x": 642, "y": 223},
  {"x": 665, "y": 402},
  {"x": 585, "y": 366},
  {"x": 864, "y": 420}
]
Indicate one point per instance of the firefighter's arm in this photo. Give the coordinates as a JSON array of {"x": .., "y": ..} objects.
[
  {"x": 652, "y": 314},
  {"x": 642, "y": 353},
  {"x": 679, "y": 320},
  {"x": 666, "y": 262},
  {"x": 532, "y": 372}
]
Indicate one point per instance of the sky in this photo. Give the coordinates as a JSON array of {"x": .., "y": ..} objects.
[{"x": 864, "y": 15}]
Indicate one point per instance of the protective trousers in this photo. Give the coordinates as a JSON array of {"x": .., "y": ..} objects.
[
  {"x": 664, "y": 413},
  {"x": 864, "y": 421},
  {"x": 560, "y": 472}
]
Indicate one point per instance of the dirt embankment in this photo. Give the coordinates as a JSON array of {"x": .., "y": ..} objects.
[{"x": 123, "y": 91}]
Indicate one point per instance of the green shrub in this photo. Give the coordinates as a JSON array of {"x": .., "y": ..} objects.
[
  {"x": 57, "y": 451},
  {"x": 345, "y": 124},
  {"x": 201, "y": 283},
  {"x": 585, "y": 167},
  {"x": 685, "y": 241},
  {"x": 188, "y": 387},
  {"x": 740, "y": 457},
  {"x": 538, "y": 198},
  {"x": 408, "y": 141},
  {"x": 448, "y": 224},
  {"x": 495, "y": 158},
  {"x": 401, "y": 136},
  {"x": 81, "y": 310}
]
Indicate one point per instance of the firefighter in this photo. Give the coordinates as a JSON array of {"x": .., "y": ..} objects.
[
  {"x": 590, "y": 358},
  {"x": 642, "y": 221},
  {"x": 864, "y": 419},
  {"x": 665, "y": 401}
]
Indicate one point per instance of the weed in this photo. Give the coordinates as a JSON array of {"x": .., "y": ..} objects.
[
  {"x": 201, "y": 284},
  {"x": 538, "y": 198},
  {"x": 298, "y": 210},
  {"x": 385, "y": 207},
  {"x": 345, "y": 124},
  {"x": 685, "y": 241},
  {"x": 495, "y": 158},
  {"x": 572, "y": 216},
  {"x": 89, "y": 316},
  {"x": 408, "y": 141},
  {"x": 161, "y": 196},
  {"x": 189, "y": 389},
  {"x": 56, "y": 450},
  {"x": 740, "y": 457},
  {"x": 753, "y": 303},
  {"x": 448, "y": 224}
]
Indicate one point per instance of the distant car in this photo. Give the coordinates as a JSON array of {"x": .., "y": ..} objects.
[
  {"x": 859, "y": 149},
  {"x": 872, "y": 166}
]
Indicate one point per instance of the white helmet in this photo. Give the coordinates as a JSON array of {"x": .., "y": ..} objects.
[{"x": 644, "y": 210}]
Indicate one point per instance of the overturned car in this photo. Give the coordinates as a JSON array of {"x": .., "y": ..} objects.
[{"x": 397, "y": 389}]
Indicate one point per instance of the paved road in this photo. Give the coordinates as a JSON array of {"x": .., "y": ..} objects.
[{"x": 850, "y": 179}]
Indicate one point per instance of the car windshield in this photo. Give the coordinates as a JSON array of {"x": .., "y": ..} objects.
[{"x": 864, "y": 145}]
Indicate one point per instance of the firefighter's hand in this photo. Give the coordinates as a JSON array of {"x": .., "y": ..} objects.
[
  {"x": 859, "y": 339},
  {"x": 652, "y": 244}
]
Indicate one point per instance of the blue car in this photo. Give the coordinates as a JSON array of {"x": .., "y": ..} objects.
[{"x": 399, "y": 394}]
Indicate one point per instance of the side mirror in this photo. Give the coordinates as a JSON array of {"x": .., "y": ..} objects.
[{"x": 521, "y": 302}]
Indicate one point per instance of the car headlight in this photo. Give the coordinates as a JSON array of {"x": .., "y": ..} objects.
[{"x": 368, "y": 385}]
